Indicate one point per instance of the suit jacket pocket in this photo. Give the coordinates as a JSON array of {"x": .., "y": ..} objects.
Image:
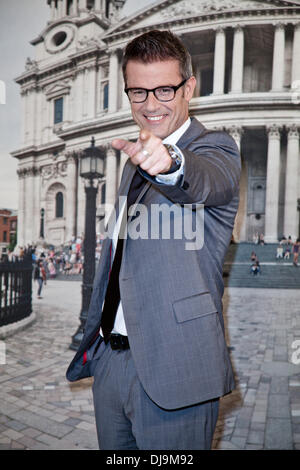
[{"x": 193, "y": 307}]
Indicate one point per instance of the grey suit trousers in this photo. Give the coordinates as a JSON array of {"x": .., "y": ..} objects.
[{"x": 126, "y": 418}]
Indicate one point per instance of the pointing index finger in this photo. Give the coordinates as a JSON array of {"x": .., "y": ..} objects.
[{"x": 145, "y": 135}]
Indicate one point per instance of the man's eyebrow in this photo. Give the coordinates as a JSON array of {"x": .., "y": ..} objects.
[{"x": 159, "y": 86}]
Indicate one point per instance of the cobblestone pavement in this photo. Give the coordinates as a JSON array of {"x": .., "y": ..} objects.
[{"x": 39, "y": 409}]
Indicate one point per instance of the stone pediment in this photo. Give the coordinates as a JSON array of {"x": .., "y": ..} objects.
[
  {"x": 59, "y": 88},
  {"x": 167, "y": 10}
]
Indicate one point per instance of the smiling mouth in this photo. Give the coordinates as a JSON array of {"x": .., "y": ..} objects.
[{"x": 155, "y": 118}]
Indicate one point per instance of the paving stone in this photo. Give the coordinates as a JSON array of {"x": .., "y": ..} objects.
[
  {"x": 278, "y": 406},
  {"x": 255, "y": 437},
  {"x": 16, "y": 425},
  {"x": 279, "y": 385},
  {"x": 31, "y": 432},
  {"x": 15, "y": 445},
  {"x": 42, "y": 423},
  {"x": 278, "y": 434},
  {"x": 239, "y": 442}
]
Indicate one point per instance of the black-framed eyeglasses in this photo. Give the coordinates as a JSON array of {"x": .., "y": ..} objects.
[{"x": 161, "y": 93}]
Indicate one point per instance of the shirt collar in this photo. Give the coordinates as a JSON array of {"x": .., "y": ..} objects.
[{"x": 175, "y": 136}]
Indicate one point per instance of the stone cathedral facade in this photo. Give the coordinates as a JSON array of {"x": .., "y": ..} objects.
[{"x": 246, "y": 58}]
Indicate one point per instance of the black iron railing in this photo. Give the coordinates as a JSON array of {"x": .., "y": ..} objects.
[{"x": 15, "y": 290}]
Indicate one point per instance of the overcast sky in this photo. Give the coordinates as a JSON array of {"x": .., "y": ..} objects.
[{"x": 20, "y": 22}]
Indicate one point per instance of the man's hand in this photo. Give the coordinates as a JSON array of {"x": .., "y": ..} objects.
[{"x": 148, "y": 152}]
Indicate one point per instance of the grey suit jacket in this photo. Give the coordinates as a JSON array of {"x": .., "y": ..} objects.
[{"x": 171, "y": 295}]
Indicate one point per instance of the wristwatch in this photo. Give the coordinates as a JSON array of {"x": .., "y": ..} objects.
[{"x": 176, "y": 158}]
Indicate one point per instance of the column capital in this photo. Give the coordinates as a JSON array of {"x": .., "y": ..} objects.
[
  {"x": 239, "y": 27},
  {"x": 279, "y": 25},
  {"x": 235, "y": 131},
  {"x": 296, "y": 25},
  {"x": 219, "y": 29},
  {"x": 274, "y": 131},
  {"x": 110, "y": 151},
  {"x": 28, "y": 171},
  {"x": 293, "y": 131},
  {"x": 114, "y": 50},
  {"x": 72, "y": 156}
]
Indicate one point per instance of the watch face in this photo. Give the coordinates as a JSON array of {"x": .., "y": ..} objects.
[{"x": 59, "y": 38}]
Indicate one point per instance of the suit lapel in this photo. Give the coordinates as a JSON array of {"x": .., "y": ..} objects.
[{"x": 193, "y": 131}]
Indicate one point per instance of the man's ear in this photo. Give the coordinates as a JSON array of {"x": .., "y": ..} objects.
[{"x": 189, "y": 88}]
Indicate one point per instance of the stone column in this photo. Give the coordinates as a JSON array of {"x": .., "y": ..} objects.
[
  {"x": 113, "y": 82},
  {"x": 26, "y": 117},
  {"x": 44, "y": 118},
  {"x": 36, "y": 204},
  {"x": 97, "y": 5},
  {"x": 71, "y": 196},
  {"x": 52, "y": 10},
  {"x": 85, "y": 92},
  {"x": 272, "y": 184},
  {"x": 124, "y": 98},
  {"x": 75, "y": 7},
  {"x": 278, "y": 57},
  {"x": 111, "y": 180},
  {"x": 29, "y": 205},
  {"x": 31, "y": 116},
  {"x": 237, "y": 60},
  {"x": 291, "y": 216},
  {"x": 79, "y": 95},
  {"x": 240, "y": 225},
  {"x": 59, "y": 8},
  {"x": 39, "y": 117},
  {"x": 198, "y": 80},
  {"x": 92, "y": 86},
  {"x": 219, "y": 62},
  {"x": 50, "y": 123},
  {"x": 125, "y": 101},
  {"x": 23, "y": 117},
  {"x": 21, "y": 209},
  {"x": 123, "y": 159},
  {"x": 64, "y": 7},
  {"x": 296, "y": 55}
]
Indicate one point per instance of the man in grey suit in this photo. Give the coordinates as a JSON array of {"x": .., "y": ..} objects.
[{"x": 154, "y": 337}]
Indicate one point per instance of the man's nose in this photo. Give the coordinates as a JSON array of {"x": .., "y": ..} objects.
[{"x": 151, "y": 102}]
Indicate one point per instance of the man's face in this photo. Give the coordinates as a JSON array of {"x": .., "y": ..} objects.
[{"x": 161, "y": 118}]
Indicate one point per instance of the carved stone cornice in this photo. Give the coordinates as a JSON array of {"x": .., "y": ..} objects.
[
  {"x": 28, "y": 171},
  {"x": 88, "y": 43},
  {"x": 54, "y": 170}
]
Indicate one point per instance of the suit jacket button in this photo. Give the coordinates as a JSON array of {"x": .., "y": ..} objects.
[{"x": 185, "y": 185}]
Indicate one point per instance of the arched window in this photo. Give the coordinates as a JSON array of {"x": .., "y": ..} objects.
[{"x": 59, "y": 204}]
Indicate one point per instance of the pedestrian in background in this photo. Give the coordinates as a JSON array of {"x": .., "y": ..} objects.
[{"x": 38, "y": 277}]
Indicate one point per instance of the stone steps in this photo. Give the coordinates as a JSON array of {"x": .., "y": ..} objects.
[{"x": 275, "y": 273}]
